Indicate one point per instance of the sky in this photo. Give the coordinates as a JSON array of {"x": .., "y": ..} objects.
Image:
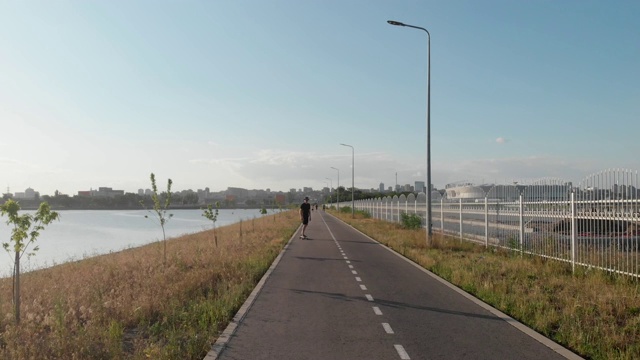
[{"x": 260, "y": 94}]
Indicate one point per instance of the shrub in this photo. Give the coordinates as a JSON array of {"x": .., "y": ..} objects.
[
  {"x": 410, "y": 221},
  {"x": 345, "y": 209}
]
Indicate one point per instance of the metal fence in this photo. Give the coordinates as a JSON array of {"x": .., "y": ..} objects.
[{"x": 594, "y": 224}]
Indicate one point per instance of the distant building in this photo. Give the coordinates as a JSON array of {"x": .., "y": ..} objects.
[
  {"x": 238, "y": 194},
  {"x": 28, "y": 194},
  {"x": 419, "y": 186},
  {"x": 106, "y": 192},
  {"x": 381, "y": 187}
]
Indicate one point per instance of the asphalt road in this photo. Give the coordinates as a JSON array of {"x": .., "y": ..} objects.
[{"x": 341, "y": 295}]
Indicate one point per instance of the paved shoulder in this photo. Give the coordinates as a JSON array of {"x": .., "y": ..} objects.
[{"x": 342, "y": 295}]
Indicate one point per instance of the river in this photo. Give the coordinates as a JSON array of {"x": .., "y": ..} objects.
[{"x": 84, "y": 233}]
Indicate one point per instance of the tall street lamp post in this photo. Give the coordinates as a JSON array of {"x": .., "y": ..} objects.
[
  {"x": 428, "y": 190},
  {"x": 353, "y": 211},
  {"x": 337, "y": 189},
  {"x": 330, "y": 190}
]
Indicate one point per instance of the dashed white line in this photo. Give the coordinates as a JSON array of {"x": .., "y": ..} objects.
[
  {"x": 354, "y": 272},
  {"x": 403, "y": 354},
  {"x": 377, "y": 311},
  {"x": 387, "y": 328},
  {"x": 369, "y": 297},
  {"x": 348, "y": 262},
  {"x": 363, "y": 287},
  {"x": 345, "y": 257},
  {"x": 350, "y": 266},
  {"x": 358, "y": 279}
]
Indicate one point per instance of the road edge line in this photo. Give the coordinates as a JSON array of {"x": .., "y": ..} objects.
[{"x": 568, "y": 354}]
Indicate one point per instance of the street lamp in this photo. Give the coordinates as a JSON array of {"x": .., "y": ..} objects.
[
  {"x": 428, "y": 190},
  {"x": 353, "y": 211},
  {"x": 337, "y": 189},
  {"x": 330, "y": 190}
]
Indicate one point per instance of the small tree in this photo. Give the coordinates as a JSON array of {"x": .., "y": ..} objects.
[
  {"x": 26, "y": 229},
  {"x": 160, "y": 209},
  {"x": 213, "y": 216}
]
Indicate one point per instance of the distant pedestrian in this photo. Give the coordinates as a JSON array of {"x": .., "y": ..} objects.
[{"x": 305, "y": 216}]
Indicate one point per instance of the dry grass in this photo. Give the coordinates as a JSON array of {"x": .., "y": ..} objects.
[
  {"x": 127, "y": 305},
  {"x": 595, "y": 314}
]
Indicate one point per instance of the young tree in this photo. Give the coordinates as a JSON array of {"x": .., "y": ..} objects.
[
  {"x": 213, "y": 216},
  {"x": 160, "y": 209},
  {"x": 26, "y": 229}
]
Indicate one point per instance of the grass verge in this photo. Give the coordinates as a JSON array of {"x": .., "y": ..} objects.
[
  {"x": 127, "y": 305},
  {"x": 593, "y": 313}
]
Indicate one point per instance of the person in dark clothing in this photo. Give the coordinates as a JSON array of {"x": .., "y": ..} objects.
[{"x": 305, "y": 216}]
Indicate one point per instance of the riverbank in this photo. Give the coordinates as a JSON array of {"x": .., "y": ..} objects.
[
  {"x": 80, "y": 234},
  {"x": 129, "y": 305}
]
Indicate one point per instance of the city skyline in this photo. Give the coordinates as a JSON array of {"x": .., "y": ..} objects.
[{"x": 261, "y": 94}]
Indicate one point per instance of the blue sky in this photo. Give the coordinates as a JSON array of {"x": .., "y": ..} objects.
[{"x": 259, "y": 94}]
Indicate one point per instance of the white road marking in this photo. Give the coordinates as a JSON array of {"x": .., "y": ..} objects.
[
  {"x": 387, "y": 328},
  {"x": 358, "y": 279},
  {"x": 348, "y": 262},
  {"x": 377, "y": 311},
  {"x": 403, "y": 354},
  {"x": 363, "y": 287},
  {"x": 354, "y": 272},
  {"x": 369, "y": 297},
  {"x": 345, "y": 257},
  {"x": 350, "y": 266}
]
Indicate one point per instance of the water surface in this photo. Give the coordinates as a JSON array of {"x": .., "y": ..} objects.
[{"x": 84, "y": 233}]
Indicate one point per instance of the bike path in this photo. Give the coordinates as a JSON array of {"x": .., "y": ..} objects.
[{"x": 341, "y": 295}]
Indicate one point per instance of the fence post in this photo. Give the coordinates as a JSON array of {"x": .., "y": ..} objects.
[
  {"x": 460, "y": 218},
  {"x": 573, "y": 233},
  {"x": 442, "y": 215},
  {"x": 486, "y": 221},
  {"x": 521, "y": 216},
  {"x": 406, "y": 205}
]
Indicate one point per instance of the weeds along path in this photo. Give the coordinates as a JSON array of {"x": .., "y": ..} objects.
[{"x": 128, "y": 305}]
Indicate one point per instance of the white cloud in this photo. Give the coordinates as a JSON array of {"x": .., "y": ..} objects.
[{"x": 501, "y": 140}]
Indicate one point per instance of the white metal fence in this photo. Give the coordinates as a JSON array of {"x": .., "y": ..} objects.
[{"x": 594, "y": 224}]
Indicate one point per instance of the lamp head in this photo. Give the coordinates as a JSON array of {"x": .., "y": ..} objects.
[{"x": 396, "y": 23}]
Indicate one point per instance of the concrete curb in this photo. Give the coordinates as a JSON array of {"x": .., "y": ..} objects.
[{"x": 228, "y": 332}]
